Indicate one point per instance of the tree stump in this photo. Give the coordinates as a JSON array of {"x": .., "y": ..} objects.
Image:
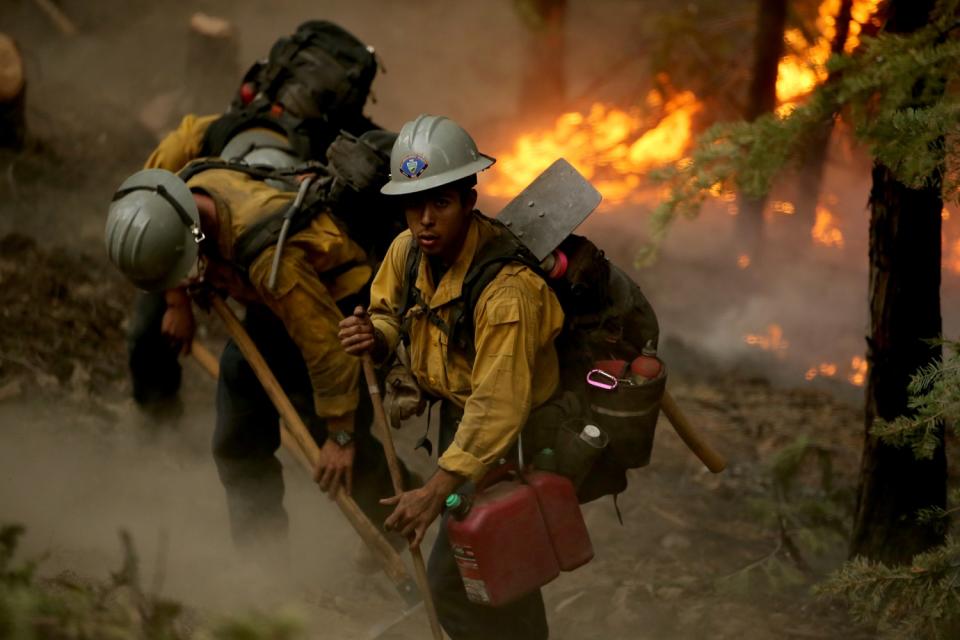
[
  {"x": 13, "y": 90},
  {"x": 212, "y": 74}
]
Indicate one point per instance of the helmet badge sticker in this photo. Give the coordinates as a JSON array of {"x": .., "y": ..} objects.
[{"x": 413, "y": 166}]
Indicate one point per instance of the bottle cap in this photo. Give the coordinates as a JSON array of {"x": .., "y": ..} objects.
[
  {"x": 454, "y": 500},
  {"x": 590, "y": 431}
]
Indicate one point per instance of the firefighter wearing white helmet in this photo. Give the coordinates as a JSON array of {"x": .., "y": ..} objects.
[{"x": 488, "y": 380}]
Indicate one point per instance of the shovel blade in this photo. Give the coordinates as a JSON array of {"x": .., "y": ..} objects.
[{"x": 550, "y": 208}]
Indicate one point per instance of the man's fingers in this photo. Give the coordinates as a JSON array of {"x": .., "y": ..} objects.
[
  {"x": 360, "y": 312},
  {"x": 418, "y": 536},
  {"x": 317, "y": 474},
  {"x": 391, "y": 500},
  {"x": 348, "y": 481}
]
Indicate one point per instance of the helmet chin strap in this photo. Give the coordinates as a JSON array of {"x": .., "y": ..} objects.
[{"x": 160, "y": 190}]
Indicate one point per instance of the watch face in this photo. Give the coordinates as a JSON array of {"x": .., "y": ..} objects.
[{"x": 342, "y": 438}]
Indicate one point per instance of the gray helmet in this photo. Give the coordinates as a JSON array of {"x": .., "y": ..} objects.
[
  {"x": 432, "y": 151},
  {"x": 263, "y": 148},
  {"x": 153, "y": 229}
]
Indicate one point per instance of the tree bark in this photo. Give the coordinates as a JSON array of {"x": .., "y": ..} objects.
[
  {"x": 904, "y": 310},
  {"x": 13, "y": 95},
  {"x": 212, "y": 73},
  {"x": 810, "y": 178},
  {"x": 761, "y": 99},
  {"x": 543, "y": 84}
]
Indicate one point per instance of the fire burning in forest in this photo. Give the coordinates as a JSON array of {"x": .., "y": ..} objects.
[
  {"x": 611, "y": 147},
  {"x": 804, "y": 65},
  {"x": 775, "y": 342},
  {"x": 826, "y": 231}
]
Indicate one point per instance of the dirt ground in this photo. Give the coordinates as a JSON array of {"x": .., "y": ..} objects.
[{"x": 733, "y": 555}]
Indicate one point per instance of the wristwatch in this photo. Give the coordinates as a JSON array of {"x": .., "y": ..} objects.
[{"x": 342, "y": 438}]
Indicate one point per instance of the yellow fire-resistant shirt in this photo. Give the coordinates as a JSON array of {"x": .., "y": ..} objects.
[
  {"x": 181, "y": 145},
  {"x": 515, "y": 369},
  {"x": 306, "y": 291}
]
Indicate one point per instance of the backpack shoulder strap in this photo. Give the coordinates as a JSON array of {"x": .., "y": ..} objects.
[{"x": 505, "y": 248}]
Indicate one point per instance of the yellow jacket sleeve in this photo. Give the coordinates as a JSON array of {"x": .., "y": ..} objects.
[
  {"x": 387, "y": 289},
  {"x": 311, "y": 318},
  {"x": 516, "y": 320},
  {"x": 181, "y": 145}
]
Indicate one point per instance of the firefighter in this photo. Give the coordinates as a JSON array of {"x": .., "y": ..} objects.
[
  {"x": 288, "y": 109},
  {"x": 161, "y": 227},
  {"x": 487, "y": 387}
]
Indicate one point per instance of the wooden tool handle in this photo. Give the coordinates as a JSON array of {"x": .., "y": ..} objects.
[
  {"x": 710, "y": 458},
  {"x": 380, "y": 420},
  {"x": 302, "y": 446}
]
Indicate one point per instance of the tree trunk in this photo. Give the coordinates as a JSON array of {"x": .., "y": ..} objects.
[
  {"x": 810, "y": 178},
  {"x": 904, "y": 311},
  {"x": 13, "y": 95},
  {"x": 543, "y": 84},
  {"x": 212, "y": 74},
  {"x": 767, "y": 51}
]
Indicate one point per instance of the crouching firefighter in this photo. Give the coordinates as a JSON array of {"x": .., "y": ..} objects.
[
  {"x": 288, "y": 109},
  {"x": 224, "y": 220},
  {"x": 487, "y": 384}
]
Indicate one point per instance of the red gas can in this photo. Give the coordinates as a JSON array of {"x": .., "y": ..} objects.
[
  {"x": 564, "y": 520},
  {"x": 501, "y": 546}
]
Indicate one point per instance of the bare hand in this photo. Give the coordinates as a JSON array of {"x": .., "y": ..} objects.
[
  {"x": 178, "y": 326},
  {"x": 356, "y": 333},
  {"x": 335, "y": 467},
  {"x": 417, "y": 509}
]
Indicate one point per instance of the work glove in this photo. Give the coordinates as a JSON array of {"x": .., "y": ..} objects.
[{"x": 404, "y": 398}]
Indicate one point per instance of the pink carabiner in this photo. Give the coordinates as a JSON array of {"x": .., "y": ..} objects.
[{"x": 602, "y": 380}]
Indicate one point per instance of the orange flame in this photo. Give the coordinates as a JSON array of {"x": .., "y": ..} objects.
[
  {"x": 804, "y": 66},
  {"x": 772, "y": 341},
  {"x": 743, "y": 261},
  {"x": 825, "y": 230},
  {"x": 611, "y": 147},
  {"x": 858, "y": 374}
]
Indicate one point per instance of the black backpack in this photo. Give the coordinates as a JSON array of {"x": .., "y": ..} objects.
[
  {"x": 606, "y": 317},
  {"x": 313, "y": 84},
  {"x": 347, "y": 186}
]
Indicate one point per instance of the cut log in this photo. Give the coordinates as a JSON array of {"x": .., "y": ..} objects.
[
  {"x": 13, "y": 90},
  {"x": 212, "y": 73}
]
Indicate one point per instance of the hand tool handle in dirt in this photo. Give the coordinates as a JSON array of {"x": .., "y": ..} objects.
[
  {"x": 710, "y": 458},
  {"x": 301, "y": 438},
  {"x": 380, "y": 420},
  {"x": 389, "y": 559},
  {"x": 205, "y": 358}
]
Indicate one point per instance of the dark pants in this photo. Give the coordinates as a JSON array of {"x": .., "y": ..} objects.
[
  {"x": 524, "y": 619},
  {"x": 154, "y": 368},
  {"x": 247, "y": 435}
]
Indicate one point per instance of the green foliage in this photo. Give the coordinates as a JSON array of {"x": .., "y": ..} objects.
[
  {"x": 934, "y": 399},
  {"x": 67, "y": 608},
  {"x": 917, "y": 601},
  {"x": 894, "y": 93},
  {"x": 809, "y": 516}
]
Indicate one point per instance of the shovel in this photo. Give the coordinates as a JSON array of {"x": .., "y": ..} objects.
[{"x": 419, "y": 569}]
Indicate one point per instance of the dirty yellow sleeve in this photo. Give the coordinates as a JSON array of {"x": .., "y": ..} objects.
[
  {"x": 387, "y": 289},
  {"x": 181, "y": 145},
  {"x": 310, "y": 315},
  {"x": 516, "y": 368}
]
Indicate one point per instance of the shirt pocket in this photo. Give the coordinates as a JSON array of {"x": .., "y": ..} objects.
[{"x": 501, "y": 323}]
